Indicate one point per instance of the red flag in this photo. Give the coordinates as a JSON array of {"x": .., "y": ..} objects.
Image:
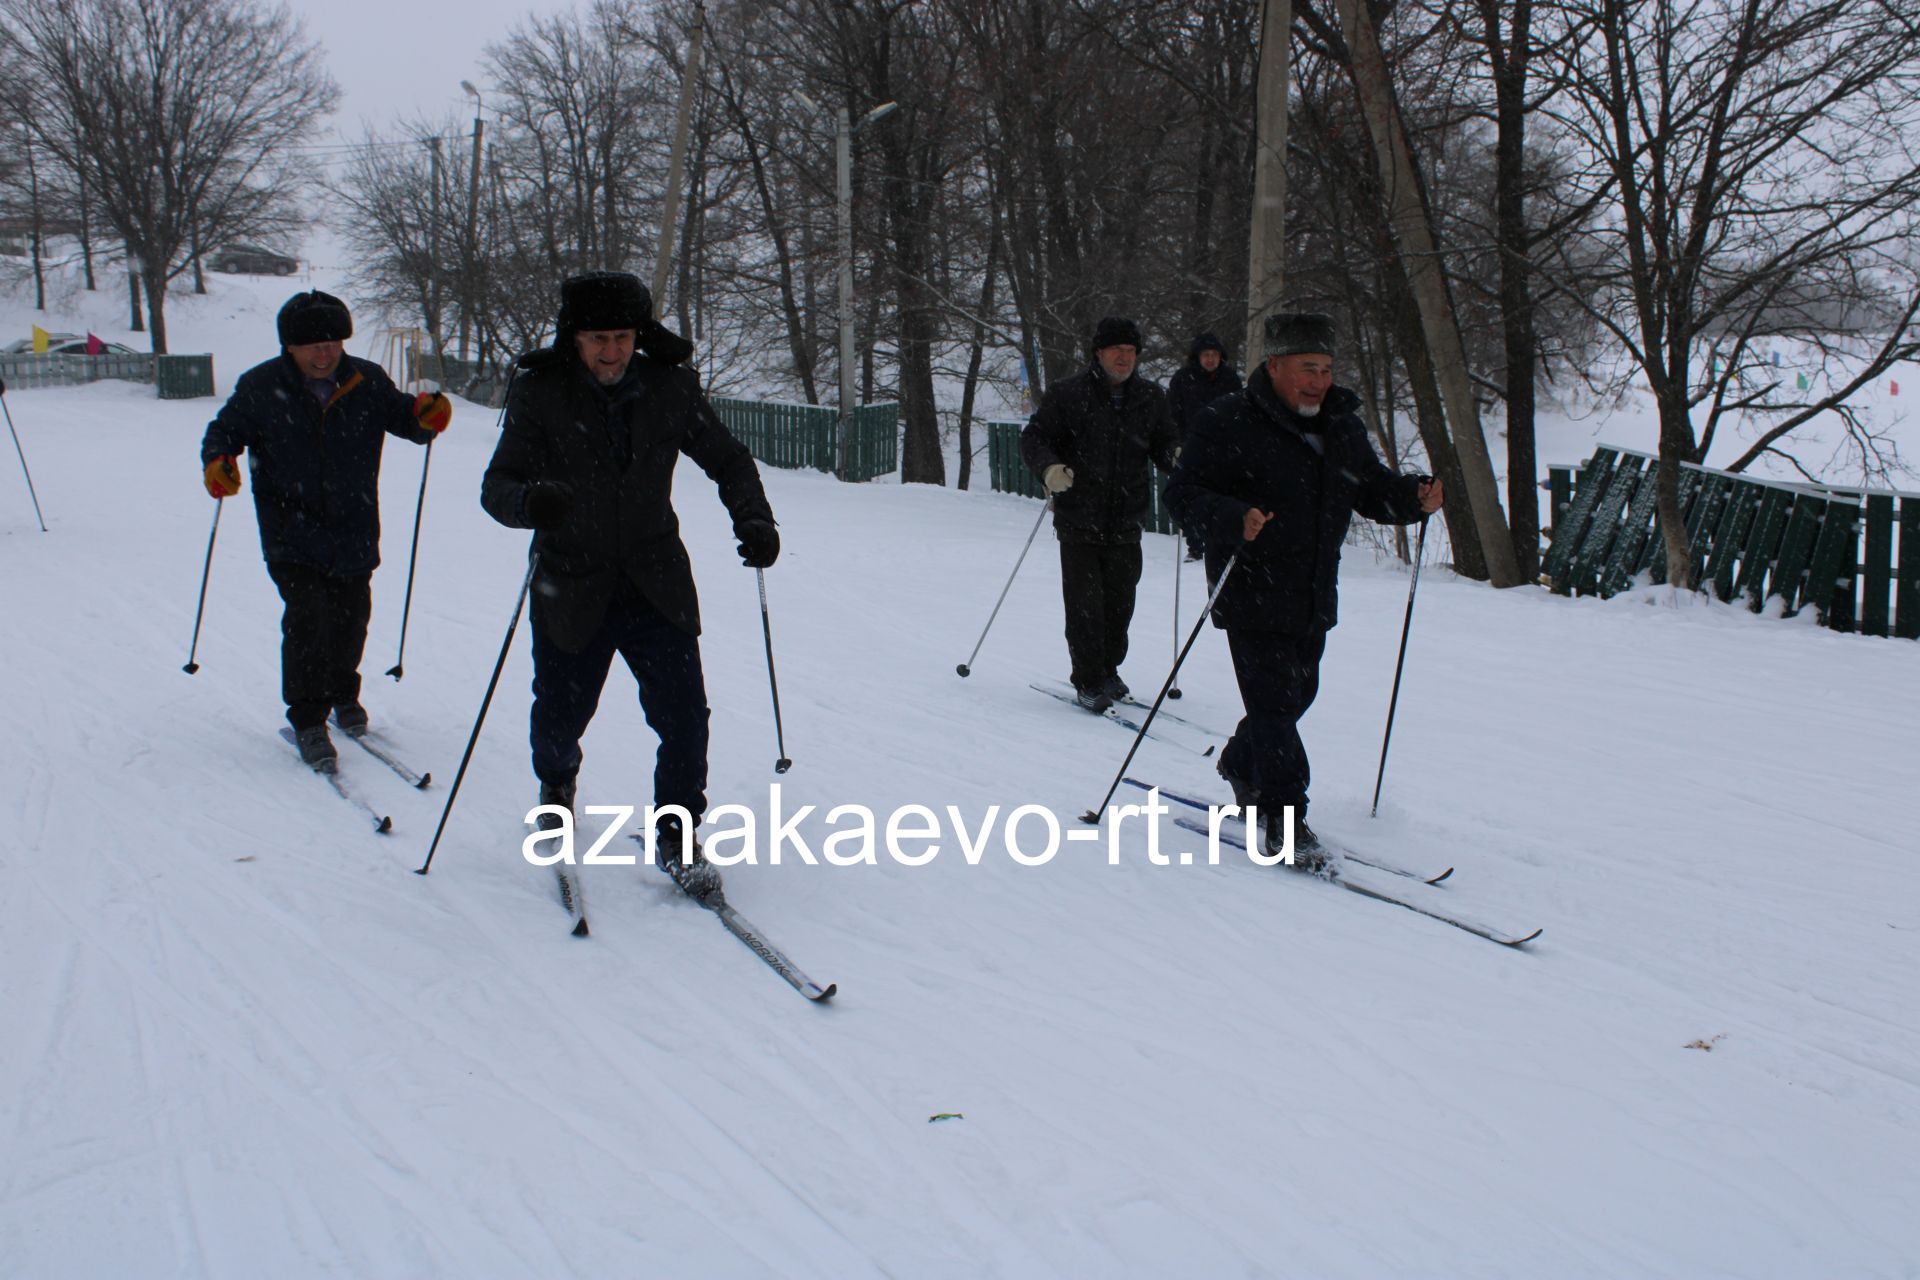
[
  {"x": 1896, "y": 390},
  {"x": 94, "y": 345}
]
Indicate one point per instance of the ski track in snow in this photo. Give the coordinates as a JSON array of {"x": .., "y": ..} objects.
[{"x": 241, "y": 1038}]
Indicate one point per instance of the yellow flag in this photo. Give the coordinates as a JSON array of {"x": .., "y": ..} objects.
[{"x": 40, "y": 339}]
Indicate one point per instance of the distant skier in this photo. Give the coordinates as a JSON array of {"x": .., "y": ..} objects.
[
  {"x": 312, "y": 422},
  {"x": 1276, "y": 474},
  {"x": 586, "y": 456},
  {"x": 1090, "y": 444},
  {"x": 1205, "y": 377}
]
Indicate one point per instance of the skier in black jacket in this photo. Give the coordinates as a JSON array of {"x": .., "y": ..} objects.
[
  {"x": 312, "y": 422},
  {"x": 1090, "y": 443},
  {"x": 592, "y": 431},
  {"x": 1275, "y": 475},
  {"x": 1204, "y": 378}
]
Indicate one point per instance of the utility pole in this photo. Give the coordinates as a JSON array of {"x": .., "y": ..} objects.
[
  {"x": 471, "y": 266},
  {"x": 676, "y": 167},
  {"x": 1267, "y": 241}
]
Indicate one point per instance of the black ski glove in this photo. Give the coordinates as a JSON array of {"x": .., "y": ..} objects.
[
  {"x": 547, "y": 504},
  {"x": 759, "y": 543}
]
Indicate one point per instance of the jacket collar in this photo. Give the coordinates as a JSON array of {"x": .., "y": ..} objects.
[{"x": 1339, "y": 402}]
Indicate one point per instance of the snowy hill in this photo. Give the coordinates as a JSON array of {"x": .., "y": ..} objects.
[{"x": 241, "y": 1039}]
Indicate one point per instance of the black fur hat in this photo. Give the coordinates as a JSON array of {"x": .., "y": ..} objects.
[
  {"x": 1115, "y": 331},
  {"x": 1299, "y": 333},
  {"x": 314, "y": 317},
  {"x": 616, "y": 300}
]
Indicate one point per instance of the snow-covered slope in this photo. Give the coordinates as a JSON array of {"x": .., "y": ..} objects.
[{"x": 241, "y": 1039}]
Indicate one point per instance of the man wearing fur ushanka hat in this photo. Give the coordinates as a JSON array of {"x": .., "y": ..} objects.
[{"x": 594, "y": 426}]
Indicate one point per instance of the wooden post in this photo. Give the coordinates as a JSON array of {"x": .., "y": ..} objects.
[{"x": 1267, "y": 238}]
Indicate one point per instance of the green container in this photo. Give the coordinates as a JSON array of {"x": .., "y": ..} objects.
[{"x": 183, "y": 377}]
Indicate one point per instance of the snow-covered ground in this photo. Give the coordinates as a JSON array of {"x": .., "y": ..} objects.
[{"x": 239, "y": 1038}]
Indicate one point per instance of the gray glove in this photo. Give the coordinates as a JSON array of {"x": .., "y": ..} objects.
[{"x": 1058, "y": 478}]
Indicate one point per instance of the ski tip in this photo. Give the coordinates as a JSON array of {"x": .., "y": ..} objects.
[
  {"x": 1209, "y": 750},
  {"x": 580, "y": 930},
  {"x": 1442, "y": 876},
  {"x": 1521, "y": 942},
  {"x": 819, "y": 994},
  {"x": 384, "y": 826},
  {"x": 425, "y": 780}
]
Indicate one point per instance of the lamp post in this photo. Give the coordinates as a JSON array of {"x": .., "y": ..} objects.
[
  {"x": 471, "y": 247},
  {"x": 844, "y": 129}
]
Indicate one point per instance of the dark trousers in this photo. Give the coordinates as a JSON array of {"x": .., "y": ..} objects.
[
  {"x": 673, "y": 696},
  {"x": 1097, "y": 583},
  {"x": 323, "y": 632},
  {"x": 1279, "y": 676}
]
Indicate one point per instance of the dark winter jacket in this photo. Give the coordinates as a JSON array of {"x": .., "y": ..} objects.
[
  {"x": 315, "y": 470},
  {"x": 1107, "y": 451},
  {"x": 615, "y": 450},
  {"x": 1192, "y": 388},
  {"x": 1251, "y": 450}
]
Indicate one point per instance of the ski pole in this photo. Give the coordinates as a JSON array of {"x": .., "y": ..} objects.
[
  {"x": 782, "y": 764},
  {"x": 23, "y": 459},
  {"x": 966, "y": 668},
  {"x": 1179, "y": 555},
  {"x": 399, "y": 669},
  {"x": 533, "y": 567},
  {"x": 1419, "y": 553},
  {"x": 206, "y": 570},
  {"x": 1092, "y": 816}
]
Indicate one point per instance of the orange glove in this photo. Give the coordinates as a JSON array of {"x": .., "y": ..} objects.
[
  {"x": 432, "y": 411},
  {"x": 223, "y": 478}
]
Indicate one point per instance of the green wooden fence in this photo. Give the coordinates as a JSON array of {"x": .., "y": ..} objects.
[
  {"x": 174, "y": 377},
  {"x": 805, "y": 436},
  {"x": 1852, "y": 555},
  {"x": 1008, "y": 474}
]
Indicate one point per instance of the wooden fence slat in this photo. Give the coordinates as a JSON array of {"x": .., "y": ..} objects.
[
  {"x": 1830, "y": 577},
  {"x": 1906, "y": 608},
  {"x": 1595, "y": 478},
  {"x": 1876, "y": 571},
  {"x": 1788, "y": 580},
  {"x": 1756, "y": 560},
  {"x": 1584, "y": 574}
]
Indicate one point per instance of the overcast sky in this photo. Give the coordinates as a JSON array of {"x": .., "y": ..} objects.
[{"x": 395, "y": 59}]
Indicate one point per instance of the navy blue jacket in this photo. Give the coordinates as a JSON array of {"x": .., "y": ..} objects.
[
  {"x": 1107, "y": 450},
  {"x": 1249, "y": 451},
  {"x": 1192, "y": 388},
  {"x": 315, "y": 471},
  {"x": 615, "y": 450}
]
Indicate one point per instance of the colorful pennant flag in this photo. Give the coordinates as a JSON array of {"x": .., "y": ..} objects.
[
  {"x": 40, "y": 340},
  {"x": 94, "y": 345},
  {"x": 1800, "y": 380}
]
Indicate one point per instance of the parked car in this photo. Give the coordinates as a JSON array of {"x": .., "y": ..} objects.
[
  {"x": 250, "y": 259},
  {"x": 24, "y": 346},
  {"x": 78, "y": 347}
]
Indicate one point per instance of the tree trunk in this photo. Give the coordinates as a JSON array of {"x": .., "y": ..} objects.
[
  {"x": 155, "y": 279},
  {"x": 1516, "y": 291},
  {"x": 135, "y": 321},
  {"x": 1676, "y": 441},
  {"x": 975, "y": 350},
  {"x": 1413, "y": 232}
]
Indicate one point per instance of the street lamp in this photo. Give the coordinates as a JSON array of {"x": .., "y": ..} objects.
[
  {"x": 472, "y": 244},
  {"x": 844, "y": 129}
]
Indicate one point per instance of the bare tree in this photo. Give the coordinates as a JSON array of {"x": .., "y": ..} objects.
[{"x": 177, "y": 113}]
